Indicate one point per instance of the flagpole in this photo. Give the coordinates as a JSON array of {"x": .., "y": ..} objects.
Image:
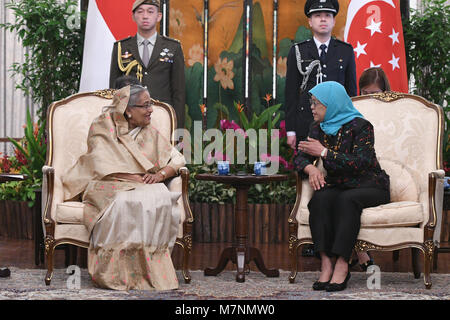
[
  {"x": 274, "y": 52},
  {"x": 164, "y": 24},
  {"x": 205, "y": 60},
  {"x": 247, "y": 54}
]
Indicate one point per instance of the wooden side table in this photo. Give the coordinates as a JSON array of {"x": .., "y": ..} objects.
[
  {"x": 240, "y": 253},
  {"x": 5, "y": 177}
]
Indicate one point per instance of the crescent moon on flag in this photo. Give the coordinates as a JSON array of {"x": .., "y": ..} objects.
[{"x": 354, "y": 7}]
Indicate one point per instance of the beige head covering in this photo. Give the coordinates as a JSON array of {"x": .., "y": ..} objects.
[
  {"x": 118, "y": 107},
  {"x": 137, "y": 3},
  {"x": 120, "y": 99}
]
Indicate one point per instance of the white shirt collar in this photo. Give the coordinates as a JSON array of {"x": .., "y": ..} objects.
[
  {"x": 140, "y": 38},
  {"x": 318, "y": 43}
]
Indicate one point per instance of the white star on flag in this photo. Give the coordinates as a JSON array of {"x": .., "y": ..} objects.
[
  {"x": 394, "y": 62},
  {"x": 372, "y": 65},
  {"x": 394, "y": 37},
  {"x": 374, "y": 27},
  {"x": 360, "y": 49},
  {"x": 384, "y": 46}
]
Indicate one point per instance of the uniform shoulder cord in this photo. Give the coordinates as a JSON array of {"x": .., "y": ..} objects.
[{"x": 130, "y": 66}]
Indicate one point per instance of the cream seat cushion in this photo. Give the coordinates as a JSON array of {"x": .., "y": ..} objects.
[
  {"x": 70, "y": 212},
  {"x": 404, "y": 209},
  {"x": 394, "y": 214}
]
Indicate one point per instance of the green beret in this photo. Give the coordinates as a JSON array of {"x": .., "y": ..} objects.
[{"x": 137, "y": 3}]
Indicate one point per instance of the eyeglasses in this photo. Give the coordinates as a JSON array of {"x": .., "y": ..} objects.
[
  {"x": 146, "y": 106},
  {"x": 313, "y": 102}
]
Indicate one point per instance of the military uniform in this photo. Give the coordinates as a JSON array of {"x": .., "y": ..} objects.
[
  {"x": 339, "y": 66},
  {"x": 163, "y": 76}
]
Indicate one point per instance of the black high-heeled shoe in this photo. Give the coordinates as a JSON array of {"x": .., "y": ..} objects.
[
  {"x": 4, "y": 273},
  {"x": 317, "y": 286},
  {"x": 332, "y": 287}
]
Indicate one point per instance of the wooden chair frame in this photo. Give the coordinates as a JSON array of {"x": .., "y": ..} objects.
[
  {"x": 50, "y": 243},
  {"x": 435, "y": 208}
]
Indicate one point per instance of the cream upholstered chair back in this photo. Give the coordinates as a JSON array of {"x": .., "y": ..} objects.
[
  {"x": 408, "y": 132},
  {"x": 69, "y": 124},
  {"x": 408, "y": 143},
  {"x": 68, "y": 129}
]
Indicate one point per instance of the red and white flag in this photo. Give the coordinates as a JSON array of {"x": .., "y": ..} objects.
[
  {"x": 107, "y": 22},
  {"x": 374, "y": 29}
]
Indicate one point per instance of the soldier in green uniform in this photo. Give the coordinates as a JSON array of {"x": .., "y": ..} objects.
[{"x": 156, "y": 61}]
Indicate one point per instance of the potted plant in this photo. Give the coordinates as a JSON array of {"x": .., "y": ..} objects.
[
  {"x": 52, "y": 67},
  {"x": 51, "y": 72},
  {"x": 17, "y": 198},
  {"x": 269, "y": 204}
]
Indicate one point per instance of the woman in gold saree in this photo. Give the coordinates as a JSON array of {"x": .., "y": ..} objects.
[{"x": 129, "y": 212}]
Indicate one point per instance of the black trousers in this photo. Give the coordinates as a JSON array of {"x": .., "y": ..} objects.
[{"x": 335, "y": 217}]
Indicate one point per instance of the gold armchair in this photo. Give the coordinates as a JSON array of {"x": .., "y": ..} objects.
[
  {"x": 408, "y": 141},
  {"x": 68, "y": 122}
]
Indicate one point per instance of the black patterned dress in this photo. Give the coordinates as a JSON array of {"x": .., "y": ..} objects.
[{"x": 354, "y": 181}]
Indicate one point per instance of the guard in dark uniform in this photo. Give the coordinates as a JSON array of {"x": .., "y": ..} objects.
[
  {"x": 321, "y": 58},
  {"x": 336, "y": 62},
  {"x": 163, "y": 74}
]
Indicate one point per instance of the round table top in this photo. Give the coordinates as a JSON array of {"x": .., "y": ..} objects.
[
  {"x": 241, "y": 179},
  {"x": 5, "y": 177}
]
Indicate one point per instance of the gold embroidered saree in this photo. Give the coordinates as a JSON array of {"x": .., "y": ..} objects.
[{"x": 133, "y": 226}]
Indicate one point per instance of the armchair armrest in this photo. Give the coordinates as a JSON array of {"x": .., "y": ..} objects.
[
  {"x": 438, "y": 173},
  {"x": 184, "y": 172},
  {"x": 48, "y": 183},
  {"x": 304, "y": 190},
  {"x": 292, "y": 216},
  {"x": 436, "y": 200}
]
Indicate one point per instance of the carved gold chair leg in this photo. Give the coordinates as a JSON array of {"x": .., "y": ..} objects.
[
  {"x": 428, "y": 263},
  {"x": 186, "y": 245},
  {"x": 187, "y": 255},
  {"x": 293, "y": 257},
  {"x": 49, "y": 253}
]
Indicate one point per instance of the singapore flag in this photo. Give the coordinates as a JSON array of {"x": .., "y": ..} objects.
[
  {"x": 107, "y": 22},
  {"x": 374, "y": 29}
]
